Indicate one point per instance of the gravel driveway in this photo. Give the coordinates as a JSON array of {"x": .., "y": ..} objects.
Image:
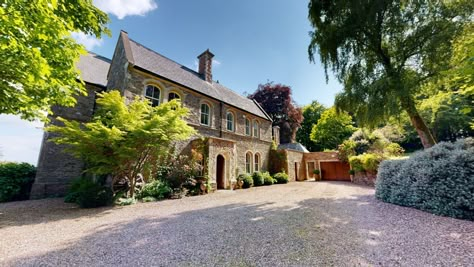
[{"x": 298, "y": 224}]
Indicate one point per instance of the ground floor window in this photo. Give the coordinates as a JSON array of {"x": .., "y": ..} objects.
[
  {"x": 248, "y": 162},
  {"x": 257, "y": 162}
]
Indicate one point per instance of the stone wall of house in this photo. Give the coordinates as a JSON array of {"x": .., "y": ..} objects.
[
  {"x": 118, "y": 76},
  {"x": 235, "y": 154},
  {"x": 296, "y": 167},
  {"x": 55, "y": 167}
]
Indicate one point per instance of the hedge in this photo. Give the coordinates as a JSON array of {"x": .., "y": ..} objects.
[
  {"x": 439, "y": 180},
  {"x": 16, "y": 180}
]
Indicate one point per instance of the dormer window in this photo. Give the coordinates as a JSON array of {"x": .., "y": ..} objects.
[
  {"x": 230, "y": 121},
  {"x": 152, "y": 93}
]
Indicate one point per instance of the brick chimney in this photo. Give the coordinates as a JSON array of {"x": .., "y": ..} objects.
[{"x": 205, "y": 65}]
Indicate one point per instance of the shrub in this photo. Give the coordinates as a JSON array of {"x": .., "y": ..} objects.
[
  {"x": 356, "y": 163},
  {"x": 281, "y": 178},
  {"x": 267, "y": 178},
  {"x": 316, "y": 171},
  {"x": 156, "y": 189},
  {"x": 88, "y": 194},
  {"x": 346, "y": 150},
  {"x": 179, "y": 172},
  {"x": 16, "y": 180},
  {"x": 394, "y": 149},
  {"x": 365, "y": 162},
  {"x": 439, "y": 180},
  {"x": 351, "y": 172},
  {"x": 247, "y": 179},
  {"x": 257, "y": 179}
]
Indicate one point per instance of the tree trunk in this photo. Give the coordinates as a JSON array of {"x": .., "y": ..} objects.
[{"x": 417, "y": 121}]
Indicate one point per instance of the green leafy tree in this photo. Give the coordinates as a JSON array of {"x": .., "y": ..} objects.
[
  {"x": 38, "y": 55},
  {"x": 384, "y": 50},
  {"x": 124, "y": 140},
  {"x": 332, "y": 129},
  {"x": 311, "y": 115}
]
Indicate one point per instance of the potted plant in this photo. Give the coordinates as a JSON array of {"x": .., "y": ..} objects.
[
  {"x": 317, "y": 175},
  {"x": 352, "y": 173}
]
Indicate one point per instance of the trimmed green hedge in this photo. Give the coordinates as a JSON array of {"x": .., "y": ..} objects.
[
  {"x": 258, "y": 179},
  {"x": 247, "y": 179},
  {"x": 281, "y": 178},
  {"x": 439, "y": 180},
  {"x": 16, "y": 180},
  {"x": 267, "y": 178}
]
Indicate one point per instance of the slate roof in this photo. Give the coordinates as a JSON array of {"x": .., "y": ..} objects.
[
  {"x": 294, "y": 146},
  {"x": 149, "y": 60},
  {"x": 94, "y": 69}
]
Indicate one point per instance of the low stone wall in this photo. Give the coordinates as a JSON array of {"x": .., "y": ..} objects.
[{"x": 364, "y": 178}]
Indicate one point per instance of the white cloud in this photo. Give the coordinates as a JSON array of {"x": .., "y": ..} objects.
[
  {"x": 20, "y": 140},
  {"x": 216, "y": 62},
  {"x": 88, "y": 41},
  {"x": 123, "y": 8}
]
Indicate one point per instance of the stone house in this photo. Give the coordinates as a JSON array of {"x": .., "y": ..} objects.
[{"x": 235, "y": 131}]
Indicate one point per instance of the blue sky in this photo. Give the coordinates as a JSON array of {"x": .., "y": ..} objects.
[{"x": 253, "y": 42}]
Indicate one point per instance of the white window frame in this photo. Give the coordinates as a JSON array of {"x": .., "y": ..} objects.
[
  {"x": 256, "y": 129},
  {"x": 248, "y": 127},
  {"x": 153, "y": 98},
  {"x": 257, "y": 162},
  {"x": 248, "y": 162},
  {"x": 231, "y": 121},
  {"x": 208, "y": 114}
]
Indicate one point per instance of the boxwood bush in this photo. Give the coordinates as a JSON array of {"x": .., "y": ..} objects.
[
  {"x": 88, "y": 194},
  {"x": 439, "y": 180},
  {"x": 267, "y": 178},
  {"x": 156, "y": 189},
  {"x": 248, "y": 180},
  {"x": 258, "y": 179},
  {"x": 16, "y": 180},
  {"x": 281, "y": 178}
]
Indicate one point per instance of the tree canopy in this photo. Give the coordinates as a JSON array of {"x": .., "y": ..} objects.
[
  {"x": 38, "y": 54},
  {"x": 311, "y": 115},
  {"x": 124, "y": 140},
  {"x": 332, "y": 129},
  {"x": 384, "y": 50},
  {"x": 276, "y": 100}
]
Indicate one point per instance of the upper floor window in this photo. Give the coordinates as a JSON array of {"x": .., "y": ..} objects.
[
  {"x": 230, "y": 121},
  {"x": 205, "y": 114},
  {"x": 256, "y": 129},
  {"x": 247, "y": 126},
  {"x": 172, "y": 96},
  {"x": 152, "y": 93},
  {"x": 248, "y": 162},
  {"x": 257, "y": 163}
]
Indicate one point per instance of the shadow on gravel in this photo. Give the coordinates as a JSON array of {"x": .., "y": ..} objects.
[
  {"x": 30, "y": 212},
  {"x": 351, "y": 231}
]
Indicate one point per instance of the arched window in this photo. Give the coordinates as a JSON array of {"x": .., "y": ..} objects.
[
  {"x": 172, "y": 96},
  {"x": 152, "y": 93},
  {"x": 205, "y": 114},
  {"x": 257, "y": 163},
  {"x": 247, "y": 127},
  {"x": 230, "y": 121},
  {"x": 256, "y": 129},
  {"x": 248, "y": 162}
]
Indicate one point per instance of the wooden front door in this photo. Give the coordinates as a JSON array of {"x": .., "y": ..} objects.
[
  {"x": 220, "y": 172},
  {"x": 335, "y": 171}
]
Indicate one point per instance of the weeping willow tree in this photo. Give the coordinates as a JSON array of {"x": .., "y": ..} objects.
[{"x": 383, "y": 51}]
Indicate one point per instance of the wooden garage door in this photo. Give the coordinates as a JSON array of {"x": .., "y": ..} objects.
[{"x": 335, "y": 171}]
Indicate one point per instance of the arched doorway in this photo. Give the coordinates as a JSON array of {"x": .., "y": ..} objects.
[{"x": 220, "y": 172}]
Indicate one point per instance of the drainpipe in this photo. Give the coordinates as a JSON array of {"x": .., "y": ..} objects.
[{"x": 220, "y": 119}]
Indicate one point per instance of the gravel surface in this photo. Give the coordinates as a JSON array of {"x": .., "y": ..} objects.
[{"x": 298, "y": 224}]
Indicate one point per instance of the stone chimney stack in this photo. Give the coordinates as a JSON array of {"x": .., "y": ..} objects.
[{"x": 205, "y": 65}]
